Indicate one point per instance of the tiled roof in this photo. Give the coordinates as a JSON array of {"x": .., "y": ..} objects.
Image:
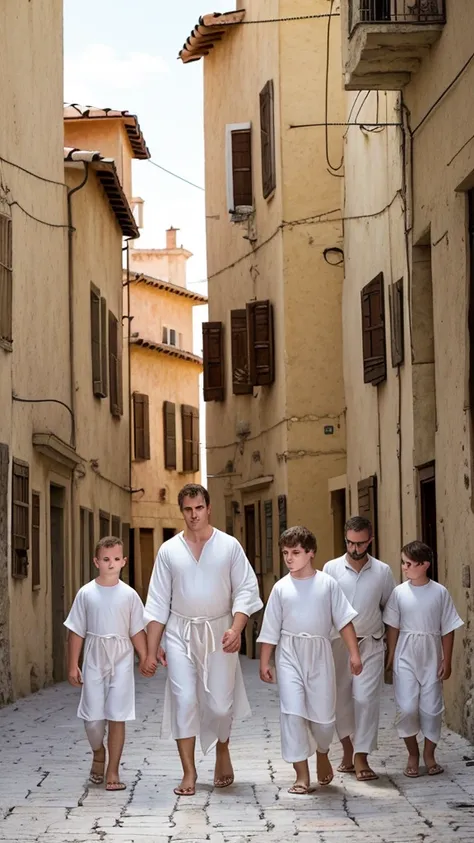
[
  {"x": 209, "y": 30},
  {"x": 73, "y": 111},
  {"x": 106, "y": 173},
  {"x": 170, "y": 350},
  {"x": 140, "y": 278}
]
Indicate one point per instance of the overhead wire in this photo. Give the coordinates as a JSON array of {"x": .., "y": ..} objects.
[{"x": 176, "y": 176}]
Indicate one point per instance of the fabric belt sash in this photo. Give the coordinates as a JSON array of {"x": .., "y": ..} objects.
[
  {"x": 209, "y": 640},
  {"x": 102, "y": 639}
]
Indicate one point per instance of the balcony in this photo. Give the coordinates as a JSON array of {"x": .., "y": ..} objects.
[{"x": 388, "y": 40}]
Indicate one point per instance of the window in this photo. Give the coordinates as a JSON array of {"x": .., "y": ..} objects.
[
  {"x": 239, "y": 167},
  {"x": 172, "y": 336},
  {"x": 395, "y": 292},
  {"x": 268, "y": 558},
  {"x": 35, "y": 541},
  {"x": 373, "y": 331},
  {"x": 104, "y": 524},
  {"x": 141, "y": 426},
  {"x": 240, "y": 354},
  {"x": 98, "y": 343},
  {"x": 116, "y": 526},
  {"x": 260, "y": 338},
  {"x": 213, "y": 354},
  {"x": 367, "y": 501},
  {"x": 6, "y": 280},
  {"x": 20, "y": 518},
  {"x": 190, "y": 428},
  {"x": 165, "y": 335},
  {"x": 115, "y": 366},
  {"x": 267, "y": 139},
  {"x": 88, "y": 569},
  {"x": 169, "y": 425}
]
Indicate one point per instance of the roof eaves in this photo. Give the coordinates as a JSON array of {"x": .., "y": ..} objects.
[
  {"x": 168, "y": 287},
  {"x": 208, "y": 31},
  {"x": 74, "y": 111},
  {"x": 170, "y": 350}
]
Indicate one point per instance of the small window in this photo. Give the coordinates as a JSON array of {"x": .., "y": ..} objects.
[
  {"x": 239, "y": 168},
  {"x": 20, "y": 518},
  {"x": 6, "y": 280},
  {"x": 373, "y": 331},
  {"x": 172, "y": 336},
  {"x": 165, "y": 335},
  {"x": 35, "y": 541}
]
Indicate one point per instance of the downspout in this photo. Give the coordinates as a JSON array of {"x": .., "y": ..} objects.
[
  {"x": 72, "y": 364},
  {"x": 129, "y": 339}
]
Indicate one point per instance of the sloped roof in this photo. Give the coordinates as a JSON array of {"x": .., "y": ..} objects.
[
  {"x": 170, "y": 350},
  {"x": 167, "y": 286},
  {"x": 106, "y": 173},
  {"x": 74, "y": 111},
  {"x": 208, "y": 31}
]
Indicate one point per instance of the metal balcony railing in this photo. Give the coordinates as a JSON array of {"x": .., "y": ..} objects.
[{"x": 396, "y": 11}]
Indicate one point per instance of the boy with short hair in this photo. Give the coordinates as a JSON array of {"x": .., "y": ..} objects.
[
  {"x": 302, "y": 610},
  {"x": 421, "y": 618},
  {"x": 108, "y": 615}
]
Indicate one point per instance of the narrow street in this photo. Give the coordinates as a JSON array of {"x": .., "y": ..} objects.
[{"x": 45, "y": 796}]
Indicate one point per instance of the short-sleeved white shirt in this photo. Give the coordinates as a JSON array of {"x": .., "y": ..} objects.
[
  {"x": 106, "y": 610},
  {"x": 422, "y": 608},
  {"x": 367, "y": 591}
]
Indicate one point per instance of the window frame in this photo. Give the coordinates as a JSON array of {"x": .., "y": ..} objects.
[{"x": 229, "y": 130}]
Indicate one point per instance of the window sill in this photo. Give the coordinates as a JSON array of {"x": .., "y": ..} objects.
[
  {"x": 7, "y": 345},
  {"x": 36, "y": 589}
]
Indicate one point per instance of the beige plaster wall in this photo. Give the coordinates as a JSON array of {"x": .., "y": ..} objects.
[
  {"x": 165, "y": 264},
  {"x": 153, "y": 309},
  {"x": 107, "y": 136}
]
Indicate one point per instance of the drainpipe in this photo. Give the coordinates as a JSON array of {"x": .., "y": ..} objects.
[{"x": 129, "y": 340}]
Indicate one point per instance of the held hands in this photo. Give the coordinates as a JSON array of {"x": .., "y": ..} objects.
[
  {"x": 148, "y": 666},
  {"x": 161, "y": 656},
  {"x": 356, "y": 665},
  {"x": 231, "y": 641},
  {"x": 75, "y": 676},
  {"x": 266, "y": 674},
  {"x": 444, "y": 671}
]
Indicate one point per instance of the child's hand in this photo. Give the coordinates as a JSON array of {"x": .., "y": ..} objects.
[
  {"x": 75, "y": 677},
  {"x": 148, "y": 666},
  {"x": 266, "y": 674},
  {"x": 444, "y": 671},
  {"x": 161, "y": 657},
  {"x": 356, "y": 665}
]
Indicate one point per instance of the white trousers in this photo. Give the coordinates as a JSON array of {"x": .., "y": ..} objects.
[
  {"x": 300, "y": 738},
  {"x": 358, "y": 697}
]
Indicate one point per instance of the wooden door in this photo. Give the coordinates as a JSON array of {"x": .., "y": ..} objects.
[
  {"x": 57, "y": 582},
  {"x": 250, "y": 537}
]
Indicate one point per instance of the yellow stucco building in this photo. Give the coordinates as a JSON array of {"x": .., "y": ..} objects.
[
  {"x": 273, "y": 378},
  {"x": 165, "y": 398}
]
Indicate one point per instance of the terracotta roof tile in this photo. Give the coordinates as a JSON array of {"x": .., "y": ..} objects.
[
  {"x": 167, "y": 286},
  {"x": 209, "y": 30},
  {"x": 74, "y": 111},
  {"x": 170, "y": 350}
]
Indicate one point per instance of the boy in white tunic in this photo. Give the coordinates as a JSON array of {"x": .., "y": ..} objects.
[
  {"x": 421, "y": 619},
  {"x": 203, "y": 591},
  {"x": 108, "y": 616},
  {"x": 367, "y": 584},
  {"x": 301, "y": 612}
]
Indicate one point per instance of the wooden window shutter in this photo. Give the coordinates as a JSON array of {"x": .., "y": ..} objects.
[
  {"x": 395, "y": 292},
  {"x": 268, "y": 513},
  {"x": 240, "y": 353},
  {"x": 141, "y": 426},
  {"x": 195, "y": 433},
  {"x": 115, "y": 366},
  {"x": 242, "y": 168},
  {"x": 367, "y": 505},
  {"x": 104, "y": 524},
  {"x": 260, "y": 338},
  {"x": 213, "y": 354},
  {"x": 169, "y": 424},
  {"x": 35, "y": 541},
  {"x": 187, "y": 433},
  {"x": 6, "y": 279},
  {"x": 373, "y": 331},
  {"x": 20, "y": 518},
  {"x": 96, "y": 342},
  {"x": 103, "y": 346},
  {"x": 267, "y": 139}
]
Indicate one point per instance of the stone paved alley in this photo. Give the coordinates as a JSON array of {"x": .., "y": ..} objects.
[{"x": 45, "y": 797}]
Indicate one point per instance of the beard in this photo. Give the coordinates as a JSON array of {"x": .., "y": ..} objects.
[{"x": 357, "y": 555}]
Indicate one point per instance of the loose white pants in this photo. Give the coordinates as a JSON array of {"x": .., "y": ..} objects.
[
  {"x": 358, "y": 697},
  {"x": 417, "y": 689},
  {"x": 300, "y": 738}
]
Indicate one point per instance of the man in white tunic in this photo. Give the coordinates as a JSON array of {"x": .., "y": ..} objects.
[
  {"x": 203, "y": 591},
  {"x": 421, "y": 619},
  {"x": 367, "y": 584},
  {"x": 107, "y": 617},
  {"x": 300, "y": 614}
]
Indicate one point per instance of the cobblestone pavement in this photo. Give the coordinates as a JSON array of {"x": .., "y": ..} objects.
[{"x": 45, "y": 796}]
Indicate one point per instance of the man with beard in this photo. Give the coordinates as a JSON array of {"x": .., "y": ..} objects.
[{"x": 367, "y": 584}]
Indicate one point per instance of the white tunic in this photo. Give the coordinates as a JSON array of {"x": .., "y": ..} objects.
[
  {"x": 107, "y": 617},
  {"x": 197, "y": 599},
  {"x": 367, "y": 591}
]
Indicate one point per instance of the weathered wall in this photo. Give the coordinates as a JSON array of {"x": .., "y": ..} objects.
[
  {"x": 168, "y": 265},
  {"x": 152, "y": 309},
  {"x": 107, "y": 136}
]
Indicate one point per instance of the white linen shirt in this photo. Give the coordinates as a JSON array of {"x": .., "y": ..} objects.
[
  {"x": 106, "y": 611},
  {"x": 367, "y": 591}
]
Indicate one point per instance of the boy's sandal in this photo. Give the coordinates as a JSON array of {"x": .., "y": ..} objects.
[
  {"x": 112, "y": 786},
  {"x": 327, "y": 780},
  {"x": 411, "y": 772},
  {"x": 225, "y": 781},
  {"x": 94, "y": 776},
  {"x": 435, "y": 770},
  {"x": 185, "y": 791},
  {"x": 299, "y": 789},
  {"x": 366, "y": 775},
  {"x": 346, "y": 768}
]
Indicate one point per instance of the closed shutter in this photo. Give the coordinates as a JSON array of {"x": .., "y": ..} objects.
[
  {"x": 367, "y": 504},
  {"x": 195, "y": 432},
  {"x": 187, "y": 434},
  {"x": 115, "y": 366},
  {"x": 103, "y": 346},
  {"x": 268, "y": 512},
  {"x": 35, "y": 541},
  {"x": 20, "y": 518},
  {"x": 260, "y": 338},
  {"x": 116, "y": 527},
  {"x": 141, "y": 426},
  {"x": 267, "y": 139},
  {"x": 169, "y": 424},
  {"x": 242, "y": 168},
  {"x": 240, "y": 353},
  {"x": 104, "y": 524},
  {"x": 213, "y": 359},
  {"x": 6, "y": 278},
  {"x": 395, "y": 292},
  {"x": 95, "y": 342},
  {"x": 373, "y": 331}
]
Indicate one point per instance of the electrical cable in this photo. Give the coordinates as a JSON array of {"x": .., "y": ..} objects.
[
  {"x": 441, "y": 96},
  {"x": 280, "y": 20},
  {"x": 31, "y": 173},
  {"x": 198, "y": 186},
  {"x": 331, "y": 169},
  {"x": 36, "y": 219}
]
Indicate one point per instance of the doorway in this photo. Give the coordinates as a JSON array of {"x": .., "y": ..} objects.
[
  {"x": 147, "y": 556},
  {"x": 338, "y": 510},
  {"x": 168, "y": 533},
  {"x": 250, "y": 537},
  {"x": 427, "y": 480},
  {"x": 56, "y": 520}
]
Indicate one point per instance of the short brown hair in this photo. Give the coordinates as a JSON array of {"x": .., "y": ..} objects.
[
  {"x": 418, "y": 552},
  {"x": 107, "y": 541},
  {"x": 298, "y": 535},
  {"x": 358, "y": 525},
  {"x": 193, "y": 490}
]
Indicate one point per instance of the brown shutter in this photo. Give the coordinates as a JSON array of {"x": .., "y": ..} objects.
[
  {"x": 242, "y": 168},
  {"x": 268, "y": 510},
  {"x": 115, "y": 366},
  {"x": 141, "y": 426},
  {"x": 103, "y": 346},
  {"x": 126, "y": 539},
  {"x": 169, "y": 423},
  {"x": 267, "y": 139},
  {"x": 373, "y": 331},
  {"x": 96, "y": 342},
  {"x": 195, "y": 434},
  {"x": 187, "y": 433},
  {"x": 35, "y": 541},
  {"x": 6, "y": 278},
  {"x": 367, "y": 504},
  {"x": 116, "y": 528},
  {"x": 213, "y": 354},
  {"x": 240, "y": 353},
  {"x": 20, "y": 518},
  {"x": 104, "y": 524},
  {"x": 395, "y": 292},
  {"x": 260, "y": 336}
]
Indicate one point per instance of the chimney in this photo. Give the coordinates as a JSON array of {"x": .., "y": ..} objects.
[{"x": 171, "y": 237}]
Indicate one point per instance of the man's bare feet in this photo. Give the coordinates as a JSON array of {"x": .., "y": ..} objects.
[
  {"x": 187, "y": 787},
  {"x": 223, "y": 772},
  {"x": 347, "y": 763},
  {"x": 324, "y": 769},
  {"x": 364, "y": 772},
  {"x": 412, "y": 770},
  {"x": 112, "y": 780}
]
